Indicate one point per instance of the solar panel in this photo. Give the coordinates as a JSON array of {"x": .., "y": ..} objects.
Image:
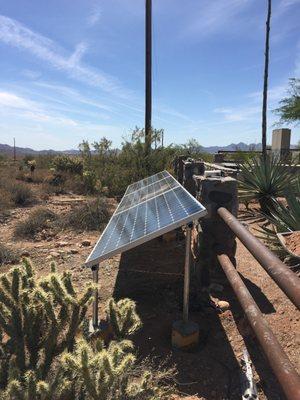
[{"x": 149, "y": 208}]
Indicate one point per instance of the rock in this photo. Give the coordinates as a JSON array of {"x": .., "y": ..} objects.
[
  {"x": 25, "y": 253},
  {"x": 86, "y": 243},
  {"x": 62, "y": 244},
  {"x": 74, "y": 251},
  {"x": 54, "y": 254},
  {"x": 223, "y": 305},
  {"x": 49, "y": 257}
]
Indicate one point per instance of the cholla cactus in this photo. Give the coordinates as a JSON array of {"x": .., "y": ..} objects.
[
  {"x": 39, "y": 318},
  {"x": 98, "y": 372},
  {"x": 111, "y": 373},
  {"x": 30, "y": 389},
  {"x": 123, "y": 317}
]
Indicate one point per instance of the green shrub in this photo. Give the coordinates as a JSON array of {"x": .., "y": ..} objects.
[
  {"x": 8, "y": 255},
  {"x": 90, "y": 181},
  {"x": 36, "y": 221},
  {"x": 92, "y": 215},
  {"x": 64, "y": 163}
]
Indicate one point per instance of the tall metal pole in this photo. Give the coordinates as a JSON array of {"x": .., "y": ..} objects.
[
  {"x": 186, "y": 287},
  {"x": 148, "y": 71},
  {"x": 95, "y": 271}
]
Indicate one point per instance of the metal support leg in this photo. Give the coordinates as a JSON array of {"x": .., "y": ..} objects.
[
  {"x": 95, "y": 270},
  {"x": 186, "y": 289}
]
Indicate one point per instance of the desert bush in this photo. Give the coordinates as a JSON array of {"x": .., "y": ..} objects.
[
  {"x": 264, "y": 180},
  {"x": 69, "y": 164},
  {"x": 92, "y": 215},
  {"x": 5, "y": 199},
  {"x": 21, "y": 194},
  {"x": 8, "y": 255},
  {"x": 36, "y": 221}
]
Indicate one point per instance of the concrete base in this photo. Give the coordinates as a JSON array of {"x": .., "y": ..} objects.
[{"x": 185, "y": 336}]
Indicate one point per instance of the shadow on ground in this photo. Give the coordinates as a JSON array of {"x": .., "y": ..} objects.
[{"x": 151, "y": 274}]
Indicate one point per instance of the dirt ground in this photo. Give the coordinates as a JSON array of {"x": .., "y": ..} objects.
[{"x": 151, "y": 274}]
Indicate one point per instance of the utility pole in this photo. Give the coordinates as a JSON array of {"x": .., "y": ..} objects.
[
  {"x": 266, "y": 76},
  {"x": 15, "y": 155},
  {"x": 148, "y": 70}
]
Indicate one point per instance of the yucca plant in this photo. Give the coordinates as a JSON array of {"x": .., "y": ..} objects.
[
  {"x": 281, "y": 217},
  {"x": 264, "y": 180}
]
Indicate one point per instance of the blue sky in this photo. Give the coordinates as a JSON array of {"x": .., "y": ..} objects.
[{"x": 73, "y": 70}]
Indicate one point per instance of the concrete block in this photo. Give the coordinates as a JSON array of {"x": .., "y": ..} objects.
[
  {"x": 185, "y": 336},
  {"x": 281, "y": 141}
]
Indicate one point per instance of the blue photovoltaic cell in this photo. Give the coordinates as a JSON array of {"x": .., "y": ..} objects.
[{"x": 149, "y": 208}]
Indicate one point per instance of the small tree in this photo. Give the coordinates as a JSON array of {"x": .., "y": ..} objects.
[{"x": 289, "y": 110}]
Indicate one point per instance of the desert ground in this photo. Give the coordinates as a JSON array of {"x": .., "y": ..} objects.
[{"x": 152, "y": 275}]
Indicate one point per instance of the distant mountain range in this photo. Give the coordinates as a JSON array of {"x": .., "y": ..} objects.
[{"x": 7, "y": 149}]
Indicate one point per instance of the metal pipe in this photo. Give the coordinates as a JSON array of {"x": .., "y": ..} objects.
[
  {"x": 95, "y": 271},
  {"x": 288, "y": 282},
  {"x": 186, "y": 286},
  {"x": 280, "y": 363}
]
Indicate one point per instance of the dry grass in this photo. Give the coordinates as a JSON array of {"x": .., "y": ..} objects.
[
  {"x": 12, "y": 192},
  {"x": 90, "y": 216},
  {"x": 39, "y": 219},
  {"x": 21, "y": 194},
  {"x": 8, "y": 255}
]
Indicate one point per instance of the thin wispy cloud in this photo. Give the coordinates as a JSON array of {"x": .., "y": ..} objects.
[
  {"x": 17, "y": 35},
  {"x": 20, "y": 112},
  {"x": 94, "y": 15},
  {"x": 73, "y": 95},
  {"x": 238, "y": 114},
  {"x": 11, "y": 102},
  {"x": 76, "y": 57},
  {"x": 214, "y": 16}
]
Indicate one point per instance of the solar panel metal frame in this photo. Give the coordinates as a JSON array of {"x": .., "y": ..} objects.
[{"x": 137, "y": 186}]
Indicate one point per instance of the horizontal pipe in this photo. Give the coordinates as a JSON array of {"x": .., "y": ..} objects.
[
  {"x": 279, "y": 361},
  {"x": 287, "y": 280}
]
